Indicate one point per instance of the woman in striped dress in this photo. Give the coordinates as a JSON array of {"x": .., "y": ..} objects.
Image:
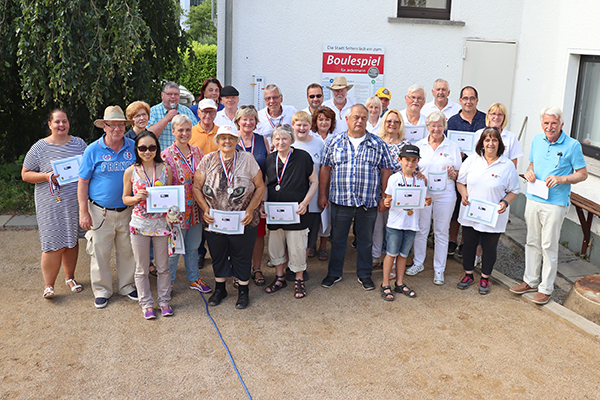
[{"x": 56, "y": 205}]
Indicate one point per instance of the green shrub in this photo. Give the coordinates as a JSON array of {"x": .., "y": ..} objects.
[
  {"x": 199, "y": 63},
  {"x": 16, "y": 196}
]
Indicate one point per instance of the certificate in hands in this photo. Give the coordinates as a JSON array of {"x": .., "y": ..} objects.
[
  {"x": 483, "y": 212},
  {"x": 160, "y": 198},
  {"x": 227, "y": 222},
  {"x": 538, "y": 188},
  {"x": 436, "y": 181},
  {"x": 409, "y": 197},
  {"x": 282, "y": 213},
  {"x": 414, "y": 133},
  {"x": 67, "y": 169},
  {"x": 465, "y": 140}
]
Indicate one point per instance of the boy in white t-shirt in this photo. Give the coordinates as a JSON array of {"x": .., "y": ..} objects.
[{"x": 402, "y": 225}]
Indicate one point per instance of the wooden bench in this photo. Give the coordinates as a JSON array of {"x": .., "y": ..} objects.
[{"x": 582, "y": 204}]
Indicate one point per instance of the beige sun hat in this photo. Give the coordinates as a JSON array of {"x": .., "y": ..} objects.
[
  {"x": 226, "y": 130},
  {"x": 113, "y": 113},
  {"x": 340, "y": 82}
]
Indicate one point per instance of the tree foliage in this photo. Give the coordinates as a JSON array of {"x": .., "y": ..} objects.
[
  {"x": 200, "y": 63},
  {"x": 83, "y": 56},
  {"x": 201, "y": 26}
]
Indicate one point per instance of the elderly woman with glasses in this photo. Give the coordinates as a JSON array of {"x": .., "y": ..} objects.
[
  {"x": 230, "y": 180},
  {"x": 291, "y": 177}
]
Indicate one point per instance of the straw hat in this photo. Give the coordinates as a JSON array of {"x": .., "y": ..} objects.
[
  {"x": 340, "y": 82},
  {"x": 112, "y": 113}
]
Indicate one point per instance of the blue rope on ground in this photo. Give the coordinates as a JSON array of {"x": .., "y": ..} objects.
[{"x": 226, "y": 348}]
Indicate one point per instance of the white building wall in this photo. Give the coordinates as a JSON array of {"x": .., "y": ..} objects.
[
  {"x": 283, "y": 41},
  {"x": 554, "y": 34}
]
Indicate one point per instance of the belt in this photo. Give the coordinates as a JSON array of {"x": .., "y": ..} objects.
[{"x": 119, "y": 209}]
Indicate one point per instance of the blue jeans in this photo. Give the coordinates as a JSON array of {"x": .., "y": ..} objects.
[
  {"x": 364, "y": 222},
  {"x": 191, "y": 241},
  {"x": 399, "y": 241}
]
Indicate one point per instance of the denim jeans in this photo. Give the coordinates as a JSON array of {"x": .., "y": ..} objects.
[
  {"x": 191, "y": 240},
  {"x": 364, "y": 222}
]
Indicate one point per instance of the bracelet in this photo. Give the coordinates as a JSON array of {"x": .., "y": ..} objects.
[{"x": 505, "y": 202}]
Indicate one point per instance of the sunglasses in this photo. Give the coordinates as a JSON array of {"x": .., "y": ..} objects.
[
  {"x": 152, "y": 148},
  {"x": 312, "y": 96},
  {"x": 248, "y": 106}
]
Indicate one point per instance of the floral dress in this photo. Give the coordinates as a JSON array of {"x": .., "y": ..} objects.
[{"x": 142, "y": 222}]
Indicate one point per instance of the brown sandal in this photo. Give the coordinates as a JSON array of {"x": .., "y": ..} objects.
[
  {"x": 300, "y": 289},
  {"x": 278, "y": 283}
]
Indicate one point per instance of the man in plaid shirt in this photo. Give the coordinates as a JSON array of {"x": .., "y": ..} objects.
[{"x": 353, "y": 165}]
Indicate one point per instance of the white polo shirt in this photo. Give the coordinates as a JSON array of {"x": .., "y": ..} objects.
[
  {"x": 447, "y": 154},
  {"x": 512, "y": 147},
  {"x": 266, "y": 124},
  {"x": 222, "y": 119},
  {"x": 451, "y": 109},
  {"x": 422, "y": 119},
  {"x": 340, "y": 116},
  {"x": 489, "y": 183}
]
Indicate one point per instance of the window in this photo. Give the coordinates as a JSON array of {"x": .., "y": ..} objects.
[
  {"x": 586, "y": 118},
  {"x": 430, "y": 9}
]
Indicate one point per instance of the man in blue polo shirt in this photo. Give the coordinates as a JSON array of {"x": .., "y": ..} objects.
[
  {"x": 101, "y": 209},
  {"x": 557, "y": 160}
]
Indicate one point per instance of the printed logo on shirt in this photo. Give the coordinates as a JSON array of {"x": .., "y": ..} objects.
[
  {"x": 496, "y": 176},
  {"x": 128, "y": 155},
  {"x": 107, "y": 157}
]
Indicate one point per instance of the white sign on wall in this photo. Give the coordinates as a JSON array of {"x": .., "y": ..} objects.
[{"x": 361, "y": 65}]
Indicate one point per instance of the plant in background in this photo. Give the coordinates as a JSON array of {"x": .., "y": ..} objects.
[
  {"x": 199, "y": 63},
  {"x": 16, "y": 196}
]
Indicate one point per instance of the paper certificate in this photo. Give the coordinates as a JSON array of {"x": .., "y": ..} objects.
[
  {"x": 538, "y": 188},
  {"x": 483, "y": 212},
  {"x": 436, "y": 181},
  {"x": 160, "y": 198},
  {"x": 409, "y": 197},
  {"x": 282, "y": 213},
  {"x": 414, "y": 133},
  {"x": 326, "y": 217},
  {"x": 227, "y": 222},
  {"x": 464, "y": 140},
  {"x": 67, "y": 169}
]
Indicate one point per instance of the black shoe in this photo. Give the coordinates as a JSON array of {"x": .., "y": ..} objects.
[
  {"x": 367, "y": 283},
  {"x": 452, "y": 248},
  {"x": 100, "y": 302},
  {"x": 459, "y": 251},
  {"x": 200, "y": 262},
  {"x": 243, "y": 299},
  {"x": 329, "y": 281},
  {"x": 291, "y": 276},
  {"x": 217, "y": 297},
  {"x": 133, "y": 295}
]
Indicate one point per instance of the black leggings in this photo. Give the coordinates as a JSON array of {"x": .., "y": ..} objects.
[{"x": 489, "y": 243}]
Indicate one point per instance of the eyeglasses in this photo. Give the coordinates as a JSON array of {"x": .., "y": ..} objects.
[
  {"x": 171, "y": 94},
  {"x": 471, "y": 99},
  {"x": 114, "y": 126},
  {"x": 392, "y": 121},
  {"x": 208, "y": 111},
  {"x": 152, "y": 148},
  {"x": 272, "y": 98},
  {"x": 496, "y": 115},
  {"x": 312, "y": 96},
  {"x": 414, "y": 98}
]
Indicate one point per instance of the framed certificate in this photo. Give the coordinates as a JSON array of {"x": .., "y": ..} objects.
[
  {"x": 227, "y": 222},
  {"x": 160, "y": 198},
  {"x": 465, "y": 140},
  {"x": 67, "y": 169},
  {"x": 415, "y": 133},
  {"x": 282, "y": 213},
  {"x": 483, "y": 212},
  {"x": 409, "y": 197},
  {"x": 436, "y": 181}
]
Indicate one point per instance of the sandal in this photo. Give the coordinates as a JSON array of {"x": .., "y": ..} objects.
[
  {"x": 323, "y": 255},
  {"x": 152, "y": 270},
  {"x": 300, "y": 289},
  {"x": 260, "y": 280},
  {"x": 49, "y": 292},
  {"x": 405, "y": 290},
  {"x": 311, "y": 252},
  {"x": 386, "y": 293},
  {"x": 278, "y": 283},
  {"x": 76, "y": 288}
]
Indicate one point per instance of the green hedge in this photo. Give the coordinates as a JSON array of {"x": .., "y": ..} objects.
[{"x": 199, "y": 63}]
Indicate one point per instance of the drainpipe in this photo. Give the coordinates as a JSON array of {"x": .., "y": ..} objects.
[{"x": 228, "y": 41}]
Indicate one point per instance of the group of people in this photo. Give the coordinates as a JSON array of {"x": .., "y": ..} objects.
[{"x": 340, "y": 164}]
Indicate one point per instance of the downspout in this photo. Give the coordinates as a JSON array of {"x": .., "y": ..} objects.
[{"x": 228, "y": 42}]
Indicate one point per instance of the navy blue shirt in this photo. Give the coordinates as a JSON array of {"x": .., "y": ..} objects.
[{"x": 457, "y": 123}]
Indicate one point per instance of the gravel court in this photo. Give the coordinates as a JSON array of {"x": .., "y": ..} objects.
[{"x": 338, "y": 343}]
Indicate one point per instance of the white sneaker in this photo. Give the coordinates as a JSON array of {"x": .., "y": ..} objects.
[
  {"x": 477, "y": 261},
  {"x": 414, "y": 269},
  {"x": 438, "y": 278}
]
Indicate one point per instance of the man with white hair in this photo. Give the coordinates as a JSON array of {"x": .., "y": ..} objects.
[
  {"x": 339, "y": 102},
  {"x": 441, "y": 101},
  {"x": 415, "y": 100},
  {"x": 274, "y": 113},
  {"x": 557, "y": 160}
]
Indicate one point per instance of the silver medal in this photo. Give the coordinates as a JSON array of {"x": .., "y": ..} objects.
[
  {"x": 277, "y": 187},
  {"x": 229, "y": 190}
]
